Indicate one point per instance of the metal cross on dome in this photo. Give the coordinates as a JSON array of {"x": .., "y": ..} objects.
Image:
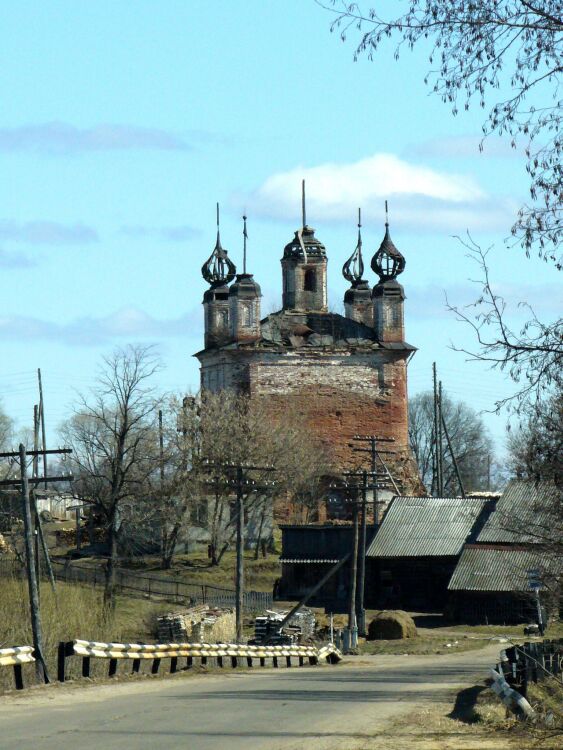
[
  {"x": 218, "y": 269},
  {"x": 353, "y": 269}
]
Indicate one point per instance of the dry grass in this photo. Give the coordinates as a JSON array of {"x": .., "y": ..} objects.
[
  {"x": 75, "y": 612},
  {"x": 260, "y": 574},
  {"x": 420, "y": 645}
]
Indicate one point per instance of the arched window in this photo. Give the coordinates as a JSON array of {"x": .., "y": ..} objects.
[{"x": 310, "y": 280}]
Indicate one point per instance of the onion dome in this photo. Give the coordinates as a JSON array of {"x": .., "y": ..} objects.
[
  {"x": 353, "y": 269},
  {"x": 387, "y": 262},
  {"x": 218, "y": 269},
  {"x": 304, "y": 245}
]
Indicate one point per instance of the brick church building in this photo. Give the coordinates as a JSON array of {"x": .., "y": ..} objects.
[{"x": 346, "y": 373}]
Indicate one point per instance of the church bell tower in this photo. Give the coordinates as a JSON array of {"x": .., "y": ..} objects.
[
  {"x": 388, "y": 296},
  {"x": 304, "y": 267}
]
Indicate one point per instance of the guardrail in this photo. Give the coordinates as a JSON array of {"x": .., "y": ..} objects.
[
  {"x": 511, "y": 698},
  {"x": 15, "y": 657},
  {"x": 138, "y": 652}
]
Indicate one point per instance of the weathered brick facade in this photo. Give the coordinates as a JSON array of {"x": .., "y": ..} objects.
[{"x": 346, "y": 375}]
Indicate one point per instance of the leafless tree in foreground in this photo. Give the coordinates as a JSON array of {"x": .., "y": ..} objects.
[
  {"x": 479, "y": 49},
  {"x": 531, "y": 356},
  {"x": 114, "y": 445}
]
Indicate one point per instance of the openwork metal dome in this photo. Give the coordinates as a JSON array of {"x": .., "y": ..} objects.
[
  {"x": 353, "y": 269},
  {"x": 218, "y": 269},
  {"x": 388, "y": 262}
]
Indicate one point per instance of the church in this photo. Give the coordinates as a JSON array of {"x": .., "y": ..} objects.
[{"x": 347, "y": 374}]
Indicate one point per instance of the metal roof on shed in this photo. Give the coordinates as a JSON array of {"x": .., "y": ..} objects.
[
  {"x": 495, "y": 568},
  {"x": 527, "y": 512},
  {"x": 428, "y": 526}
]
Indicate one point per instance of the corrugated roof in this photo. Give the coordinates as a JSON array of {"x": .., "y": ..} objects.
[
  {"x": 429, "y": 526},
  {"x": 497, "y": 568},
  {"x": 307, "y": 561},
  {"x": 527, "y": 512}
]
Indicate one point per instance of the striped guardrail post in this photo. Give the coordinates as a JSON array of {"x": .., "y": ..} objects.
[
  {"x": 15, "y": 657},
  {"x": 202, "y": 651}
]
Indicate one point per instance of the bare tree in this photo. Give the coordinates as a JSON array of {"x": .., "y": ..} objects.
[
  {"x": 482, "y": 48},
  {"x": 112, "y": 436},
  {"x": 471, "y": 443},
  {"x": 6, "y": 435},
  {"x": 236, "y": 429},
  {"x": 531, "y": 356},
  {"x": 535, "y": 445}
]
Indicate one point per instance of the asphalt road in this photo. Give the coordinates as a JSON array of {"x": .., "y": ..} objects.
[{"x": 313, "y": 707}]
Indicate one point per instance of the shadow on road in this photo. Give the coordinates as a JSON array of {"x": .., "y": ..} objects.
[{"x": 464, "y": 707}]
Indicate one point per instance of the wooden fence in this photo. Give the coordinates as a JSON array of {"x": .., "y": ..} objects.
[{"x": 532, "y": 662}]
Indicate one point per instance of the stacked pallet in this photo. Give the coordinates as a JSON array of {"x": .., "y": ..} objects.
[
  {"x": 299, "y": 628},
  {"x": 197, "y": 624}
]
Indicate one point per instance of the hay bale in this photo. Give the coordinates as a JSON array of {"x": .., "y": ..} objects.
[{"x": 391, "y": 625}]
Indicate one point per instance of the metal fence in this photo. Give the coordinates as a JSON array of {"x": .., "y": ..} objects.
[{"x": 171, "y": 589}]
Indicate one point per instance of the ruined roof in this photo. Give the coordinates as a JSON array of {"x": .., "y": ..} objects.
[
  {"x": 309, "y": 330},
  {"x": 429, "y": 526},
  {"x": 528, "y": 512},
  {"x": 487, "y": 567}
]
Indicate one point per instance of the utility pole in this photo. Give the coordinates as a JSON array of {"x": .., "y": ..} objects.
[
  {"x": 32, "y": 581},
  {"x": 239, "y": 581},
  {"x": 240, "y": 482},
  {"x": 32, "y": 578},
  {"x": 438, "y": 465},
  {"x": 452, "y": 454},
  {"x": 440, "y": 439},
  {"x": 373, "y": 451},
  {"x": 42, "y": 417},
  {"x": 35, "y": 473}
]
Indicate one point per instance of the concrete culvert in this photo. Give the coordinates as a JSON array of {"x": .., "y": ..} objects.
[{"x": 391, "y": 625}]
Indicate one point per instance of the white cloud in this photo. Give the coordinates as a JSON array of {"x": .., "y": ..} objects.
[
  {"x": 180, "y": 233},
  {"x": 419, "y": 197},
  {"x": 62, "y": 138},
  {"x": 47, "y": 233},
  {"x": 127, "y": 323}
]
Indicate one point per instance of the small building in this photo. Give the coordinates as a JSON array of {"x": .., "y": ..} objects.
[
  {"x": 308, "y": 553},
  {"x": 491, "y": 581},
  {"x": 490, "y": 584},
  {"x": 417, "y": 547}
]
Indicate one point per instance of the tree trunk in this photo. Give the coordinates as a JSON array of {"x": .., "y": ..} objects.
[
  {"x": 259, "y": 537},
  {"x": 111, "y": 566}
]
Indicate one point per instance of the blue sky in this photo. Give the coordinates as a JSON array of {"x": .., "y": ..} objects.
[{"x": 123, "y": 123}]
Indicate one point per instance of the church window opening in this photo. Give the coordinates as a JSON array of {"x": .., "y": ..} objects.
[
  {"x": 222, "y": 318},
  {"x": 310, "y": 280},
  {"x": 247, "y": 315}
]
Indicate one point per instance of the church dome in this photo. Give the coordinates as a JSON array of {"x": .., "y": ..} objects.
[
  {"x": 387, "y": 262},
  {"x": 304, "y": 238},
  {"x": 245, "y": 287}
]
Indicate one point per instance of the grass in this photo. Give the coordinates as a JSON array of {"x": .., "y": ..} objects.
[
  {"x": 75, "y": 612},
  {"x": 260, "y": 574},
  {"x": 420, "y": 645},
  {"x": 555, "y": 630},
  {"x": 473, "y": 719}
]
